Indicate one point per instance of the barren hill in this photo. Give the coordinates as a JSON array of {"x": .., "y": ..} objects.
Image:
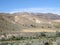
[{"x": 25, "y": 20}]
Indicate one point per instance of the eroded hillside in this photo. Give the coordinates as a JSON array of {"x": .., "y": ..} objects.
[{"x": 21, "y": 21}]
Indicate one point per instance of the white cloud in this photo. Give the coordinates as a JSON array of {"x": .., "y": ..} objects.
[{"x": 41, "y": 10}]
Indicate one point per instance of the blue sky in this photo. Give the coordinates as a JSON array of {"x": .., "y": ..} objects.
[{"x": 45, "y": 6}]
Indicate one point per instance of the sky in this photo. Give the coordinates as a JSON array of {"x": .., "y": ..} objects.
[{"x": 42, "y": 6}]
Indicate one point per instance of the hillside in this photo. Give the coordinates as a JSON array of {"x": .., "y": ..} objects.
[{"x": 24, "y": 20}]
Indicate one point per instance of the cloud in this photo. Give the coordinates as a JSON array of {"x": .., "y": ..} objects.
[{"x": 41, "y": 10}]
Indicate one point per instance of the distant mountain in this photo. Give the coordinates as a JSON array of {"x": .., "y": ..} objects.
[{"x": 49, "y": 16}]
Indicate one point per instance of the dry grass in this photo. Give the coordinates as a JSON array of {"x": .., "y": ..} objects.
[
  {"x": 56, "y": 20},
  {"x": 39, "y": 30}
]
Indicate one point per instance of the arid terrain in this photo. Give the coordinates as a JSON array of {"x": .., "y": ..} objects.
[
  {"x": 25, "y": 28},
  {"x": 24, "y": 20}
]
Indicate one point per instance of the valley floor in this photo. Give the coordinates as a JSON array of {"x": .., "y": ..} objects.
[{"x": 40, "y": 41}]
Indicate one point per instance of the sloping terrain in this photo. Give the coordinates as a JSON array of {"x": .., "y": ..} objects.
[{"x": 20, "y": 21}]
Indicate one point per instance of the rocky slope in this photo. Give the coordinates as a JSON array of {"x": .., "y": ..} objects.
[{"x": 24, "y": 20}]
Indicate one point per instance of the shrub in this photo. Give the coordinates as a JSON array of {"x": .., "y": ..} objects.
[{"x": 43, "y": 34}]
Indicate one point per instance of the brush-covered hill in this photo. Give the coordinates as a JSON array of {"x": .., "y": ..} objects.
[{"x": 25, "y": 20}]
